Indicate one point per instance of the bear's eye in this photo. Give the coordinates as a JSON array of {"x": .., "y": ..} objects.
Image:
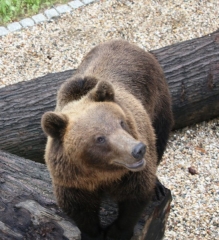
[
  {"x": 101, "y": 139},
  {"x": 122, "y": 124}
]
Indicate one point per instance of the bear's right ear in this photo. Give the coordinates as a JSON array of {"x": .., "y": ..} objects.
[
  {"x": 103, "y": 91},
  {"x": 75, "y": 88},
  {"x": 54, "y": 124}
]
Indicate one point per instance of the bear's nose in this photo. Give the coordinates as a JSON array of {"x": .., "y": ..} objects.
[{"x": 139, "y": 151}]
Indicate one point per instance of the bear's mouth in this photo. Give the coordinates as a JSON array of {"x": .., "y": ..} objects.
[{"x": 137, "y": 166}]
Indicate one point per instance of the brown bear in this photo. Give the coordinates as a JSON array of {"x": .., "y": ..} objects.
[{"x": 107, "y": 135}]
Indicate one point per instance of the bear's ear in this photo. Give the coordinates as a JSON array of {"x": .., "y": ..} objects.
[
  {"x": 54, "y": 124},
  {"x": 102, "y": 92},
  {"x": 74, "y": 88}
]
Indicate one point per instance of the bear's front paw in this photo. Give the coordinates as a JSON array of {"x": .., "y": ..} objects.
[
  {"x": 113, "y": 232},
  {"x": 159, "y": 191}
]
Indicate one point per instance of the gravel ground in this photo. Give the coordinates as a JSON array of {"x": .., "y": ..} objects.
[
  {"x": 195, "y": 207},
  {"x": 60, "y": 44}
]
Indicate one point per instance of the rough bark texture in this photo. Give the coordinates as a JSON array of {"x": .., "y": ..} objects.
[
  {"x": 192, "y": 72},
  {"x": 191, "y": 69},
  {"x": 28, "y": 209},
  {"x": 22, "y": 106}
]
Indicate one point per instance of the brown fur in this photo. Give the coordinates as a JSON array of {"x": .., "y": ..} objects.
[
  {"x": 66, "y": 171},
  {"x": 117, "y": 99},
  {"x": 129, "y": 68}
]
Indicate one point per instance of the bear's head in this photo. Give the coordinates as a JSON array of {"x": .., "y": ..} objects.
[{"x": 92, "y": 137}]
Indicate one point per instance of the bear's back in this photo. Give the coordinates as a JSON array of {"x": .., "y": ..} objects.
[{"x": 130, "y": 68}]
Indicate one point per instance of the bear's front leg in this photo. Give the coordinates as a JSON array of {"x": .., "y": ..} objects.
[
  {"x": 129, "y": 213},
  {"x": 83, "y": 207}
]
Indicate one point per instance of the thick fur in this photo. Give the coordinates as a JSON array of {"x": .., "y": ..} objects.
[
  {"x": 131, "y": 68},
  {"x": 117, "y": 99}
]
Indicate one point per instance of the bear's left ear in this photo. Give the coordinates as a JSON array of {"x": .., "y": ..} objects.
[
  {"x": 102, "y": 92},
  {"x": 54, "y": 124}
]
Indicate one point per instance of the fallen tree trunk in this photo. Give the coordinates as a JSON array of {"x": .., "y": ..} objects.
[
  {"x": 192, "y": 72},
  {"x": 191, "y": 69},
  {"x": 28, "y": 209},
  {"x": 22, "y": 106}
]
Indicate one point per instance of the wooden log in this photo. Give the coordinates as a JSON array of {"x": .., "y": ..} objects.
[
  {"x": 191, "y": 69},
  {"x": 22, "y": 106},
  {"x": 28, "y": 209},
  {"x": 192, "y": 72}
]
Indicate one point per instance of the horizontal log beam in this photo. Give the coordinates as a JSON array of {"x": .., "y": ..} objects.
[
  {"x": 192, "y": 72},
  {"x": 191, "y": 69}
]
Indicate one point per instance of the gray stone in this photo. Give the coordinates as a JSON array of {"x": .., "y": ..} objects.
[
  {"x": 51, "y": 13},
  {"x": 63, "y": 9},
  {"x": 27, "y": 22},
  {"x": 75, "y": 4},
  {"x": 88, "y": 1},
  {"x": 15, "y": 26},
  {"x": 3, "y": 31},
  {"x": 39, "y": 18}
]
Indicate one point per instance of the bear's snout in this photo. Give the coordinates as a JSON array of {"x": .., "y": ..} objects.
[{"x": 139, "y": 151}]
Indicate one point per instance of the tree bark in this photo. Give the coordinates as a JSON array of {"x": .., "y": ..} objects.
[
  {"x": 28, "y": 209},
  {"x": 191, "y": 69},
  {"x": 22, "y": 106},
  {"x": 192, "y": 72}
]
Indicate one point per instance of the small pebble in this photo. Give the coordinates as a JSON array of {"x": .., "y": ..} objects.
[{"x": 192, "y": 170}]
